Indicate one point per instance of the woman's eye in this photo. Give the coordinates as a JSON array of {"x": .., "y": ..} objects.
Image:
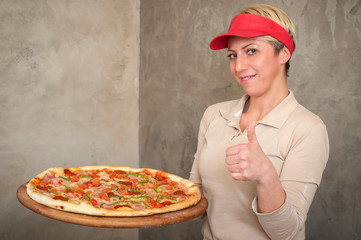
[
  {"x": 251, "y": 51},
  {"x": 232, "y": 56}
]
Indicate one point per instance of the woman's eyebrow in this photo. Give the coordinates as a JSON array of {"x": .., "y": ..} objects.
[{"x": 247, "y": 45}]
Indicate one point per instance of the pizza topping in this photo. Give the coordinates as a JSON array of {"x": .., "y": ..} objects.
[
  {"x": 66, "y": 179},
  {"x": 50, "y": 191},
  {"x": 120, "y": 172},
  {"x": 160, "y": 197},
  {"x": 68, "y": 172},
  {"x": 134, "y": 192},
  {"x": 144, "y": 178},
  {"x": 85, "y": 176},
  {"x": 59, "y": 197},
  {"x": 94, "y": 202},
  {"x": 86, "y": 196},
  {"x": 156, "y": 189},
  {"x": 48, "y": 177},
  {"x": 96, "y": 182},
  {"x": 113, "y": 189},
  {"x": 126, "y": 183},
  {"x": 120, "y": 206}
]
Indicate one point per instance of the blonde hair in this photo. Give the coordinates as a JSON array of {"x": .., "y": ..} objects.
[{"x": 277, "y": 16}]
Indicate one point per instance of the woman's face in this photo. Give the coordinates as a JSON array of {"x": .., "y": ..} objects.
[{"x": 255, "y": 66}]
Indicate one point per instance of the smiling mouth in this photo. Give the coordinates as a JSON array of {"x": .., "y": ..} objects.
[{"x": 246, "y": 78}]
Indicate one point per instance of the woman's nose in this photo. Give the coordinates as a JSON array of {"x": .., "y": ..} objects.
[{"x": 240, "y": 64}]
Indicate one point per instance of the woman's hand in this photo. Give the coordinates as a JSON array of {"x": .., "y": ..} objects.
[{"x": 248, "y": 161}]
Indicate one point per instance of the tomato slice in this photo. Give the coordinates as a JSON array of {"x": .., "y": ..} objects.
[{"x": 96, "y": 182}]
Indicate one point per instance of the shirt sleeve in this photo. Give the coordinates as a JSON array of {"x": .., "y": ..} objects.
[
  {"x": 289, "y": 220},
  {"x": 194, "y": 174},
  {"x": 308, "y": 155},
  {"x": 208, "y": 116},
  {"x": 300, "y": 176}
]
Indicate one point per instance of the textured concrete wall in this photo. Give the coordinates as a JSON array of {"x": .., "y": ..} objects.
[
  {"x": 180, "y": 76},
  {"x": 69, "y": 97}
]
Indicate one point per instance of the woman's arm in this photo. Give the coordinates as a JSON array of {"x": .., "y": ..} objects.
[
  {"x": 203, "y": 126},
  {"x": 282, "y": 202},
  {"x": 287, "y": 221}
]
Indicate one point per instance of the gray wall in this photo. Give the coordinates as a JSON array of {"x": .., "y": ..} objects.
[
  {"x": 180, "y": 76},
  {"x": 69, "y": 96},
  {"x": 69, "y": 75}
]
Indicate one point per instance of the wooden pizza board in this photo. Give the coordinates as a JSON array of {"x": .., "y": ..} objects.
[{"x": 113, "y": 222}]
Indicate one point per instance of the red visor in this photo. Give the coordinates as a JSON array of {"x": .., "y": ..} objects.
[{"x": 251, "y": 25}]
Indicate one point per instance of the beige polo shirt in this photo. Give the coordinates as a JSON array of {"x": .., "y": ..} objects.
[{"x": 296, "y": 142}]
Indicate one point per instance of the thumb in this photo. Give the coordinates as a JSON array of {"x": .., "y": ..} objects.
[{"x": 251, "y": 133}]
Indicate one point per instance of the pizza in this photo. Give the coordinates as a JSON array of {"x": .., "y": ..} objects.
[{"x": 112, "y": 191}]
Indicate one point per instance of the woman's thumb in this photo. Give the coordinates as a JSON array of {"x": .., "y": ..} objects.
[{"x": 251, "y": 132}]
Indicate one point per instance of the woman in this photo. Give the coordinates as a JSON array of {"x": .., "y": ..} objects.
[{"x": 259, "y": 159}]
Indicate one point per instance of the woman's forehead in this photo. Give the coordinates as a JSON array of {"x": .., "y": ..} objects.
[{"x": 234, "y": 41}]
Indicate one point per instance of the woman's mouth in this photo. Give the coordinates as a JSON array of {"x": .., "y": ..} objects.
[{"x": 247, "y": 78}]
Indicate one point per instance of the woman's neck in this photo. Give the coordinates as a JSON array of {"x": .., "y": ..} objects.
[
  {"x": 261, "y": 106},
  {"x": 257, "y": 107}
]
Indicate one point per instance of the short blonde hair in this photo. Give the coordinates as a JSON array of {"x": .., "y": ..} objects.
[
  {"x": 275, "y": 15},
  {"x": 280, "y": 18}
]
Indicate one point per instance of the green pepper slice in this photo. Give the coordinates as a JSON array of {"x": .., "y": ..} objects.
[
  {"x": 66, "y": 179},
  {"x": 69, "y": 188},
  {"x": 136, "y": 191},
  {"x": 86, "y": 196},
  {"x": 122, "y": 203},
  {"x": 85, "y": 176},
  {"x": 146, "y": 197},
  {"x": 51, "y": 191},
  {"x": 160, "y": 197},
  {"x": 156, "y": 189},
  {"x": 145, "y": 178}
]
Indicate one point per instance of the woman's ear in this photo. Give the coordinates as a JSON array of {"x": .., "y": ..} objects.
[{"x": 285, "y": 55}]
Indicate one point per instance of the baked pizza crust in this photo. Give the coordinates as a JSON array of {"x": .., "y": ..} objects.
[{"x": 85, "y": 207}]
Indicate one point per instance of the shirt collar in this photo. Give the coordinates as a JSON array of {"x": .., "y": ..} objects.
[
  {"x": 276, "y": 118},
  {"x": 232, "y": 112}
]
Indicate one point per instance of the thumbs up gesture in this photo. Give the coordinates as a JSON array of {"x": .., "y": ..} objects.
[{"x": 248, "y": 161}]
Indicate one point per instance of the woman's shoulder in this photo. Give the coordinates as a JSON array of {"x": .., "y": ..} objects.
[
  {"x": 304, "y": 117},
  {"x": 304, "y": 123}
]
